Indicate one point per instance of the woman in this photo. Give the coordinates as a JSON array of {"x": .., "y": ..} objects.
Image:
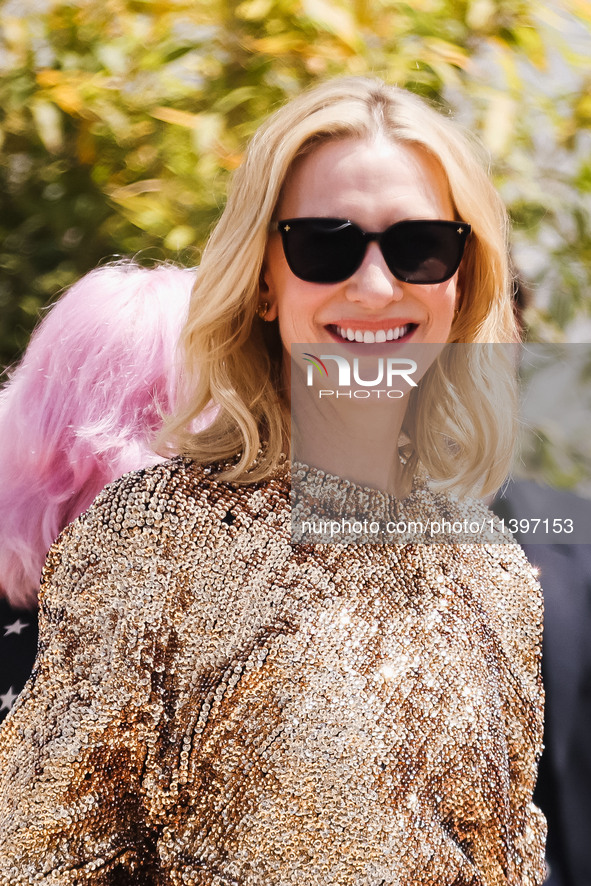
[
  {"x": 213, "y": 704},
  {"x": 80, "y": 410}
]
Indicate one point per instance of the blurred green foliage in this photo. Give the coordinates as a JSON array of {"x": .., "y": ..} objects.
[{"x": 120, "y": 122}]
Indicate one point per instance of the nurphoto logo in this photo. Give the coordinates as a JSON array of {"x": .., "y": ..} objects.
[{"x": 388, "y": 371}]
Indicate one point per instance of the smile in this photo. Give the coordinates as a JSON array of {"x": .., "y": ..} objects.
[{"x": 370, "y": 337}]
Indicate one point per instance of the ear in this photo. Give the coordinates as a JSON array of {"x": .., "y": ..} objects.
[{"x": 267, "y": 294}]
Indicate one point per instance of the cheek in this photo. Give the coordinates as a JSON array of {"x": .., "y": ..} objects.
[
  {"x": 440, "y": 303},
  {"x": 444, "y": 300}
]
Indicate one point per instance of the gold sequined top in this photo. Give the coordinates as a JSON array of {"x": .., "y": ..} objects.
[{"x": 212, "y": 705}]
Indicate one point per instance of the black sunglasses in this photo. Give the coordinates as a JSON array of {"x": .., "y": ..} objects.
[{"x": 329, "y": 250}]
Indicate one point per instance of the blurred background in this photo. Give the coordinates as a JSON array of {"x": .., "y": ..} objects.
[{"x": 121, "y": 121}]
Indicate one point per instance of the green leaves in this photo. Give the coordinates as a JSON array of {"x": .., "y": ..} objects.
[{"x": 121, "y": 122}]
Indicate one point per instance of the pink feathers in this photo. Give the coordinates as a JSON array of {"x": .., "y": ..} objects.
[{"x": 83, "y": 406}]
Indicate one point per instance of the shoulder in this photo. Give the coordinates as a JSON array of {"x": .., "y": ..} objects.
[
  {"x": 508, "y": 591},
  {"x": 182, "y": 481},
  {"x": 489, "y": 554},
  {"x": 169, "y": 515},
  {"x": 157, "y": 498},
  {"x": 499, "y": 582}
]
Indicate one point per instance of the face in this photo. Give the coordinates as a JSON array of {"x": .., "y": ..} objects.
[{"x": 374, "y": 184}]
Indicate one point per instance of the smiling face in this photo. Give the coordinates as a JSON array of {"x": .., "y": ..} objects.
[{"x": 374, "y": 183}]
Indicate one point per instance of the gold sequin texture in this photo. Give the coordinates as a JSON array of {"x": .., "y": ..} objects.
[{"x": 212, "y": 706}]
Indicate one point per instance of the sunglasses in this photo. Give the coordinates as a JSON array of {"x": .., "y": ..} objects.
[{"x": 330, "y": 250}]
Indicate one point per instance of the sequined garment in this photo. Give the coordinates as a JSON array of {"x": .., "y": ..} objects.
[{"x": 213, "y": 706}]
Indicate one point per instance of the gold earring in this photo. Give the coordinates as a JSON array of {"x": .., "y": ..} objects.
[{"x": 263, "y": 309}]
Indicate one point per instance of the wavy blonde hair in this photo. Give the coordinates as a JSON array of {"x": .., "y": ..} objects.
[{"x": 233, "y": 359}]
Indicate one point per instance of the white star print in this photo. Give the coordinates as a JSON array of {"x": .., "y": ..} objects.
[
  {"x": 8, "y": 700},
  {"x": 16, "y": 627}
]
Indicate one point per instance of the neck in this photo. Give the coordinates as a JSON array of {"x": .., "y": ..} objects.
[{"x": 356, "y": 440}]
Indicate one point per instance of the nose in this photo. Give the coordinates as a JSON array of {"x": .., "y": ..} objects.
[{"x": 373, "y": 284}]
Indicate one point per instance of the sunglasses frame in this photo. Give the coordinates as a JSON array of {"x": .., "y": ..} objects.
[{"x": 283, "y": 226}]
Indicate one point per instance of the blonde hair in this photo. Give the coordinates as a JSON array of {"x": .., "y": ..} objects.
[{"x": 233, "y": 359}]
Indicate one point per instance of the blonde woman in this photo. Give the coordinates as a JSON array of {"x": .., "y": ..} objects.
[{"x": 213, "y": 704}]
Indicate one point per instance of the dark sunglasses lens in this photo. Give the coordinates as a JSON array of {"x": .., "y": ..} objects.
[
  {"x": 422, "y": 251},
  {"x": 322, "y": 250}
]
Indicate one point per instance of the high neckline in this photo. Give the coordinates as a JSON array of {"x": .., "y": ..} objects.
[{"x": 326, "y": 508}]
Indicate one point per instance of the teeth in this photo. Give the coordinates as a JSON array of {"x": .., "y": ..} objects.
[{"x": 369, "y": 338}]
